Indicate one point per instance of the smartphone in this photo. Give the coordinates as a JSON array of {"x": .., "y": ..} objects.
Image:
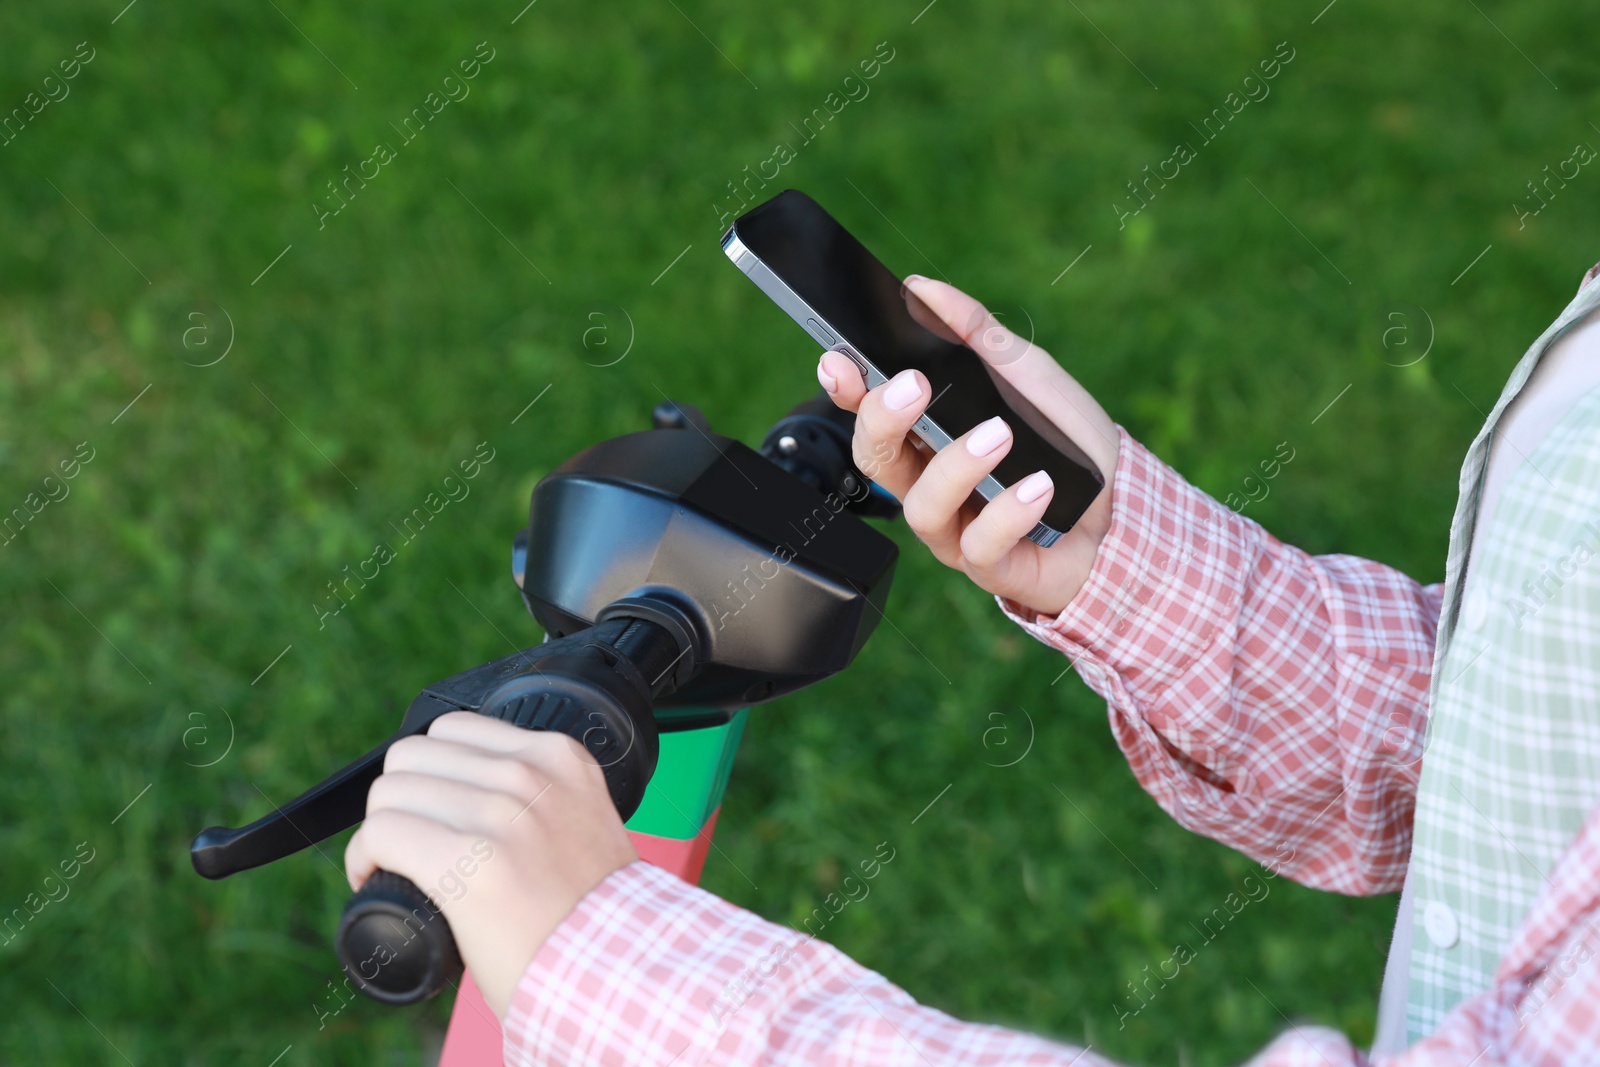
[{"x": 851, "y": 303}]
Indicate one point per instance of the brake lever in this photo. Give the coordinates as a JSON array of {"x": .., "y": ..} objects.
[{"x": 339, "y": 801}]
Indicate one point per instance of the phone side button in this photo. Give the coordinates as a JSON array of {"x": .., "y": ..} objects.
[
  {"x": 860, "y": 363},
  {"x": 1043, "y": 536},
  {"x": 820, "y": 332}
]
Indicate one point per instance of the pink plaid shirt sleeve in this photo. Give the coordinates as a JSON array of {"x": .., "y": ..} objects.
[
  {"x": 1267, "y": 698},
  {"x": 649, "y": 971}
]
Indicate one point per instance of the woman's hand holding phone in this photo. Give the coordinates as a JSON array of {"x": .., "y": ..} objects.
[{"x": 990, "y": 546}]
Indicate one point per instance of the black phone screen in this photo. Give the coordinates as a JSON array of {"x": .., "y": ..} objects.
[{"x": 861, "y": 300}]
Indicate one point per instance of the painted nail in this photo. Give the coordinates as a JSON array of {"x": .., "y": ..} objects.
[
  {"x": 826, "y": 380},
  {"x": 903, "y": 391},
  {"x": 988, "y": 436},
  {"x": 1033, "y": 487}
]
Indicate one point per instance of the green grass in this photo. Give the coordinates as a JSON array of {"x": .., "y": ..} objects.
[{"x": 380, "y": 349}]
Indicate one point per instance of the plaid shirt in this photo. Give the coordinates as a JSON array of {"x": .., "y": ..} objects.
[
  {"x": 1269, "y": 699},
  {"x": 1512, "y": 767}
]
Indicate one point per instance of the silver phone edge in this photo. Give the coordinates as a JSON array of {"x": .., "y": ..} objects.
[{"x": 797, "y": 309}]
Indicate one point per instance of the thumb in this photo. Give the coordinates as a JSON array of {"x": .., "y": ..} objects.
[
  {"x": 961, "y": 319},
  {"x": 1021, "y": 368}
]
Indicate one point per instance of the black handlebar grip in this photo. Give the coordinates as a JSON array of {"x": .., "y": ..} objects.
[{"x": 394, "y": 941}]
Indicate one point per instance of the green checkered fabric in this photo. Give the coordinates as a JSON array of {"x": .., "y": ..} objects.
[{"x": 1512, "y": 764}]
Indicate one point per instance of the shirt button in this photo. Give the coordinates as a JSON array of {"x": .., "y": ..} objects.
[
  {"x": 1475, "y": 610},
  {"x": 1444, "y": 930}
]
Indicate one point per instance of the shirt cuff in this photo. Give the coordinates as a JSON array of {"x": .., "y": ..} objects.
[
  {"x": 1160, "y": 588},
  {"x": 640, "y": 970},
  {"x": 575, "y": 971}
]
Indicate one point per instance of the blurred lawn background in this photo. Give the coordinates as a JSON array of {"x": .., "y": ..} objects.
[{"x": 458, "y": 285}]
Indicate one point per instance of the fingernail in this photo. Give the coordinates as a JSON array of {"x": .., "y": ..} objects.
[
  {"x": 903, "y": 391},
  {"x": 914, "y": 278},
  {"x": 988, "y": 436},
  {"x": 1033, "y": 487},
  {"x": 827, "y": 380}
]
